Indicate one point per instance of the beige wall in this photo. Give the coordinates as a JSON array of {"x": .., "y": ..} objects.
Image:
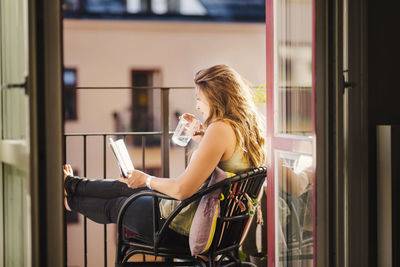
[{"x": 105, "y": 52}]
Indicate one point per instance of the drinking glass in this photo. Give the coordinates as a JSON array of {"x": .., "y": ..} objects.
[{"x": 184, "y": 131}]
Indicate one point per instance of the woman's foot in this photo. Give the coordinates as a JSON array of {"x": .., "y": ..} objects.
[
  {"x": 67, "y": 172},
  {"x": 66, "y": 203}
]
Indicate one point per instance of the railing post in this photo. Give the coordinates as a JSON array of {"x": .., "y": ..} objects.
[
  {"x": 85, "y": 250},
  {"x": 165, "y": 132},
  {"x": 144, "y": 153},
  {"x": 105, "y": 177}
]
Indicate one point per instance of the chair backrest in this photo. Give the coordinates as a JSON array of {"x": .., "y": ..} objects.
[{"x": 234, "y": 215}]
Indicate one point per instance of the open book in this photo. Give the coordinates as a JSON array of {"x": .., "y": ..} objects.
[{"x": 121, "y": 154}]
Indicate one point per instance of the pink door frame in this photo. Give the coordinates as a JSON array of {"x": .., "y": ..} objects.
[{"x": 283, "y": 143}]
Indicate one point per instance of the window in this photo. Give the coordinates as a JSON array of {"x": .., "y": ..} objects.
[
  {"x": 292, "y": 146},
  {"x": 200, "y": 10},
  {"x": 70, "y": 105},
  {"x": 293, "y": 208},
  {"x": 294, "y": 67},
  {"x": 145, "y": 109},
  {"x": 142, "y": 112}
]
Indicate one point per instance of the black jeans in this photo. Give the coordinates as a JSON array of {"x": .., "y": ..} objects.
[{"x": 101, "y": 200}]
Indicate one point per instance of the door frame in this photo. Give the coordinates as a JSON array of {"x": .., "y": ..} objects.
[
  {"x": 45, "y": 91},
  {"x": 342, "y": 135},
  {"x": 322, "y": 135},
  {"x": 336, "y": 196},
  {"x": 356, "y": 149},
  {"x": 285, "y": 142}
]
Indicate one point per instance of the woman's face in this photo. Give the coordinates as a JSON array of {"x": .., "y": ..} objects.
[{"x": 202, "y": 104}]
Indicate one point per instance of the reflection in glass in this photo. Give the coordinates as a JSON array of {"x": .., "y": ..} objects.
[
  {"x": 294, "y": 227},
  {"x": 293, "y": 75}
]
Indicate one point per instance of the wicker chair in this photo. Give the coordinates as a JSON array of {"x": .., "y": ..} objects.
[{"x": 231, "y": 224}]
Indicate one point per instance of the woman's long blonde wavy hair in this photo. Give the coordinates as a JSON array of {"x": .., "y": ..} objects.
[{"x": 230, "y": 100}]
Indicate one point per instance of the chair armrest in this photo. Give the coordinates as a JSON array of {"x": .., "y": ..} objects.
[
  {"x": 174, "y": 213},
  {"x": 198, "y": 195},
  {"x": 130, "y": 200}
]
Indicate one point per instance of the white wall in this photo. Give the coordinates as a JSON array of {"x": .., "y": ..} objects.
[{"x": 105, "y": 52}]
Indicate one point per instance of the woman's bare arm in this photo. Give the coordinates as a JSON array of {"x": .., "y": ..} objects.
[{"x": 218, "y": 140}]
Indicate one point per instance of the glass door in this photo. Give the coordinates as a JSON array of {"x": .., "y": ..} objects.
[
  {"x": 290, "y": 132},
  {"x": 15, "y": 226}
]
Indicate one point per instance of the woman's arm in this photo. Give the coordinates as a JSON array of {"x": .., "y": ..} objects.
[
  {"x": 218, "y": 140},
  {"x": 291, "y": 182},
  {"x": 198, "y": 130}
]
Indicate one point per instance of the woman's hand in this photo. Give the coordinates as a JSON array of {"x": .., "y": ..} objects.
[
  {"x": 198, "y": 130},
  {"x": 68, "y": 171},
  {"x": 135, "y": 179}
]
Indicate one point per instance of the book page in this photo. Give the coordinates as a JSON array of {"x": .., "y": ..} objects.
[{"x": 122, "y": 156}]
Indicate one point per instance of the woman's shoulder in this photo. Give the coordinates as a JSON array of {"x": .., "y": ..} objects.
[
  {"x": 221, "y": 127},
  {"x": 221, "y": 133}
]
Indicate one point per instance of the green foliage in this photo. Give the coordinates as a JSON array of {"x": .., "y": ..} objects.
[
  {"x": 260, "y": 95},
  {"x": 242, "y": 256}
]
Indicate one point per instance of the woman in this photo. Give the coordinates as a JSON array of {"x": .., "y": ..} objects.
[{"x": 231, "y": 138}]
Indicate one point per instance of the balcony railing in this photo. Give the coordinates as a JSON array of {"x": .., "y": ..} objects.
[{"x": 101, "y": 138}]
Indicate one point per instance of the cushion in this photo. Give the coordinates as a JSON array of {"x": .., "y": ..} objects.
[{"x": 205, "y": 219}]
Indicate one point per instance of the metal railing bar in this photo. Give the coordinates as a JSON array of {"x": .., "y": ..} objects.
[
  {"x": 84, "y": 219},
  {"x": 118, "y": 133},
  {"x": 143, "y": 152},
  {"x": 165, "y": 132},
  {"x": 104, "y": 177},
  {"x": 128, "y": 87},
  {"x": 293, "y": 87},
  {"x": 65, "y": 211},
  {"x": 149, "y": 87}
]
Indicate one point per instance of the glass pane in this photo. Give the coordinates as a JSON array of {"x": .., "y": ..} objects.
[
  {"x": 14, "y": 104},
  {"x": 293, "y": 72},
  {"x": 14, "y": 68},
  {"x": 293, "y": 209},
  {"x": 14, "y": 37},
  {"x": 16, "y": 223}
]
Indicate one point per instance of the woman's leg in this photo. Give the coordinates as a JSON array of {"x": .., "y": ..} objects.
[
  {"x": 97, "y": 209},
  {"x": 138, "y": 217},
  {"x": 106, "y": 189},
  {"x": 101, "y": 201}
]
